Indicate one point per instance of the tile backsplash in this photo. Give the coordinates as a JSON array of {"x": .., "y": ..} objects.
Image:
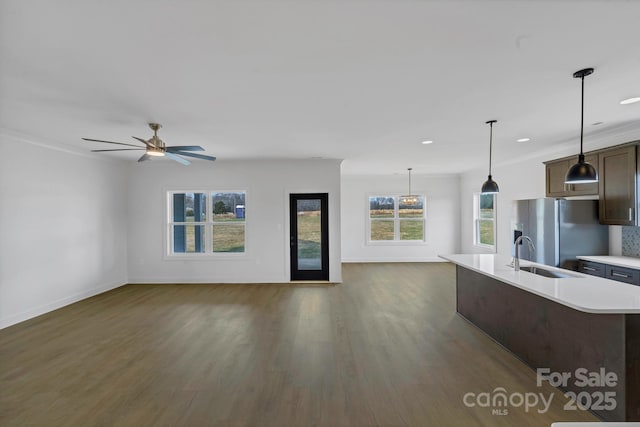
[{"x": 631, "y": 241}]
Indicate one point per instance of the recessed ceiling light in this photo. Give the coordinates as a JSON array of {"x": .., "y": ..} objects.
[
  {"x": 427, "y": 142},
  {"x": 523, "y": 140},
  {"x": 630, "y": 100}
]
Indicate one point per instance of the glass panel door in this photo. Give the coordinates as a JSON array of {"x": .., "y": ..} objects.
[{"x": 309, "y": 237}]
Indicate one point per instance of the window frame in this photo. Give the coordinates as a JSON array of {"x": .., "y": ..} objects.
[
  {"x": 208, "y": 224},
  {"x": 396, "y": 221},
  {"x": 477, "y": 220}
]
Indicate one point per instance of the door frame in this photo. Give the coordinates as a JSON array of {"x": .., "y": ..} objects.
[{"x": 295, "y": 273}]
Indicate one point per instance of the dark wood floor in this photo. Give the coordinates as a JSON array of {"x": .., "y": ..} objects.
[{"x": 384, "y": 348}]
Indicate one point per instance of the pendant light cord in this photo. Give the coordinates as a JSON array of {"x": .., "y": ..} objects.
[
  {"x": 490, "y": 123},
  {"x": 582, "y": 116},
  {"x": 490, "y": 144},
  {"x": 409, "y": 169},
  {"x": 582, "y": 74}
]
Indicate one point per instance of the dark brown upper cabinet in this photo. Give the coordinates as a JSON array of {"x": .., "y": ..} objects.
[
  {"x": 618, "y": 186},
  {"x": 556, "y": 171}
]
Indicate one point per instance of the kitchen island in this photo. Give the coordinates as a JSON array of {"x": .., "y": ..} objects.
[{"x": 571, "y": 326}]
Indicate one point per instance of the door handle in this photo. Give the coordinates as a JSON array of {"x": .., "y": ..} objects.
[
  {"x": 588, "y": 268},
  {"x": 630, "y": 214}
]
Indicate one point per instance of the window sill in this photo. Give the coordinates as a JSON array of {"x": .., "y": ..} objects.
[
  {"x": 397, "y": 243},
  {"x": 487, "y": 248},
  {"x": 230, "y": 256}
]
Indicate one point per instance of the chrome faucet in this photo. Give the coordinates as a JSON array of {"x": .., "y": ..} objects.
[{"x": 516, "y": 259}]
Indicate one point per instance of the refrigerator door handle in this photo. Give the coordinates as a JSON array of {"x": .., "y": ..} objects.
[{"x": 630, "y": 214}]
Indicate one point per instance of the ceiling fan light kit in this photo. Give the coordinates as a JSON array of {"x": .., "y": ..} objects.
[
  {"x": 155, "y": 147},
  {"x": 155, "y": 153}
]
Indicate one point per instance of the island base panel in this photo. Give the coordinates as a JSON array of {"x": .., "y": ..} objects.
[{"x": 546, "y": 334}]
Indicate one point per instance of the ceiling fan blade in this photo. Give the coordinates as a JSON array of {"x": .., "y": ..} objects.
[
  {"x": 110, "y": 142},
  {"x": 119, "y": 149},
  {"x": 197, "y": 156},
  {"x": 144, "y": 157},
  {"x": 177, "y": 158},
  {"x": 148, "y": 144},
  {"x": 174, "y": 148}
]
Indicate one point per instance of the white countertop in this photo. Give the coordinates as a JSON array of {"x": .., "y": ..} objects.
[
  {"x": 583, "y": 292},
  {"x": 598, "y": 424},
  {"x": 620, "y": 261}
]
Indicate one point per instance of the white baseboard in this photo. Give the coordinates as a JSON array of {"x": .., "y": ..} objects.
[
  {"x": 45, "y": 308},
  {"x": 197, "y": 280},
  {"x": 386, "y": 259}
]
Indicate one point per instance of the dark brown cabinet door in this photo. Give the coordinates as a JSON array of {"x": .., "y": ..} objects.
[
  {"x": 557, "y": 171},
  {"x": 617, "y": 184}
]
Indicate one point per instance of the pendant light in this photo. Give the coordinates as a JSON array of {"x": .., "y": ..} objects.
[
  {"x": 490, "y": 186},
  {"x": 582, "y": 172},
  {"x": 409, "y": 199}
]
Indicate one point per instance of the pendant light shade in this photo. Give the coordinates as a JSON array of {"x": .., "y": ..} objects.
[
  {"x": 490, "y": 186},
  {"x": 581, "y": 172},
  {"x": 409, "y": 199}
]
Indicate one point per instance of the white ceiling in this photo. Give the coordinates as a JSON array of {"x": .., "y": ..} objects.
[{"x": 364, "y": 81}]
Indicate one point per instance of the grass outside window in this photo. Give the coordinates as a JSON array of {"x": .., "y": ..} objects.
[
  {"x": 207, "y": 222},
  {"x": 309, "y": 234},
  {"x": 390, "y": 220}
]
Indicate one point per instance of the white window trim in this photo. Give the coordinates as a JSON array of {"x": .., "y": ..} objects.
[
  {"x": 208, "y": 224},
  {"x": 396, "y": 219},
  {"x": 476, "y": 223}
]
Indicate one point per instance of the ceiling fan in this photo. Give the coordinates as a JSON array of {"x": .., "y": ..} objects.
[{"x": 155, "y": 147}]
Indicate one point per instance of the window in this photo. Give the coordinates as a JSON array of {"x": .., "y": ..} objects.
[
  {"x": 392, "y": 218},
  {"x": 206, "y": 222},
  {"x": 484, "y": 220}
]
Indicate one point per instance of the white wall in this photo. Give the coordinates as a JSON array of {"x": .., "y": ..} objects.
[
  {"x": 521, "y": 180},
  {"x": 62, "y": 227},
  {"x": 268, "y": 184},
  {"x": 442, "y": 217}
]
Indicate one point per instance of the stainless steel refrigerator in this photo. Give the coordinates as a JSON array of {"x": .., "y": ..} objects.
[{"x": 560, "y": 229}]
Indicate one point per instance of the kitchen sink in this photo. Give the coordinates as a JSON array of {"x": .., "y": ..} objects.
[{"x": 546, "y": 273}]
